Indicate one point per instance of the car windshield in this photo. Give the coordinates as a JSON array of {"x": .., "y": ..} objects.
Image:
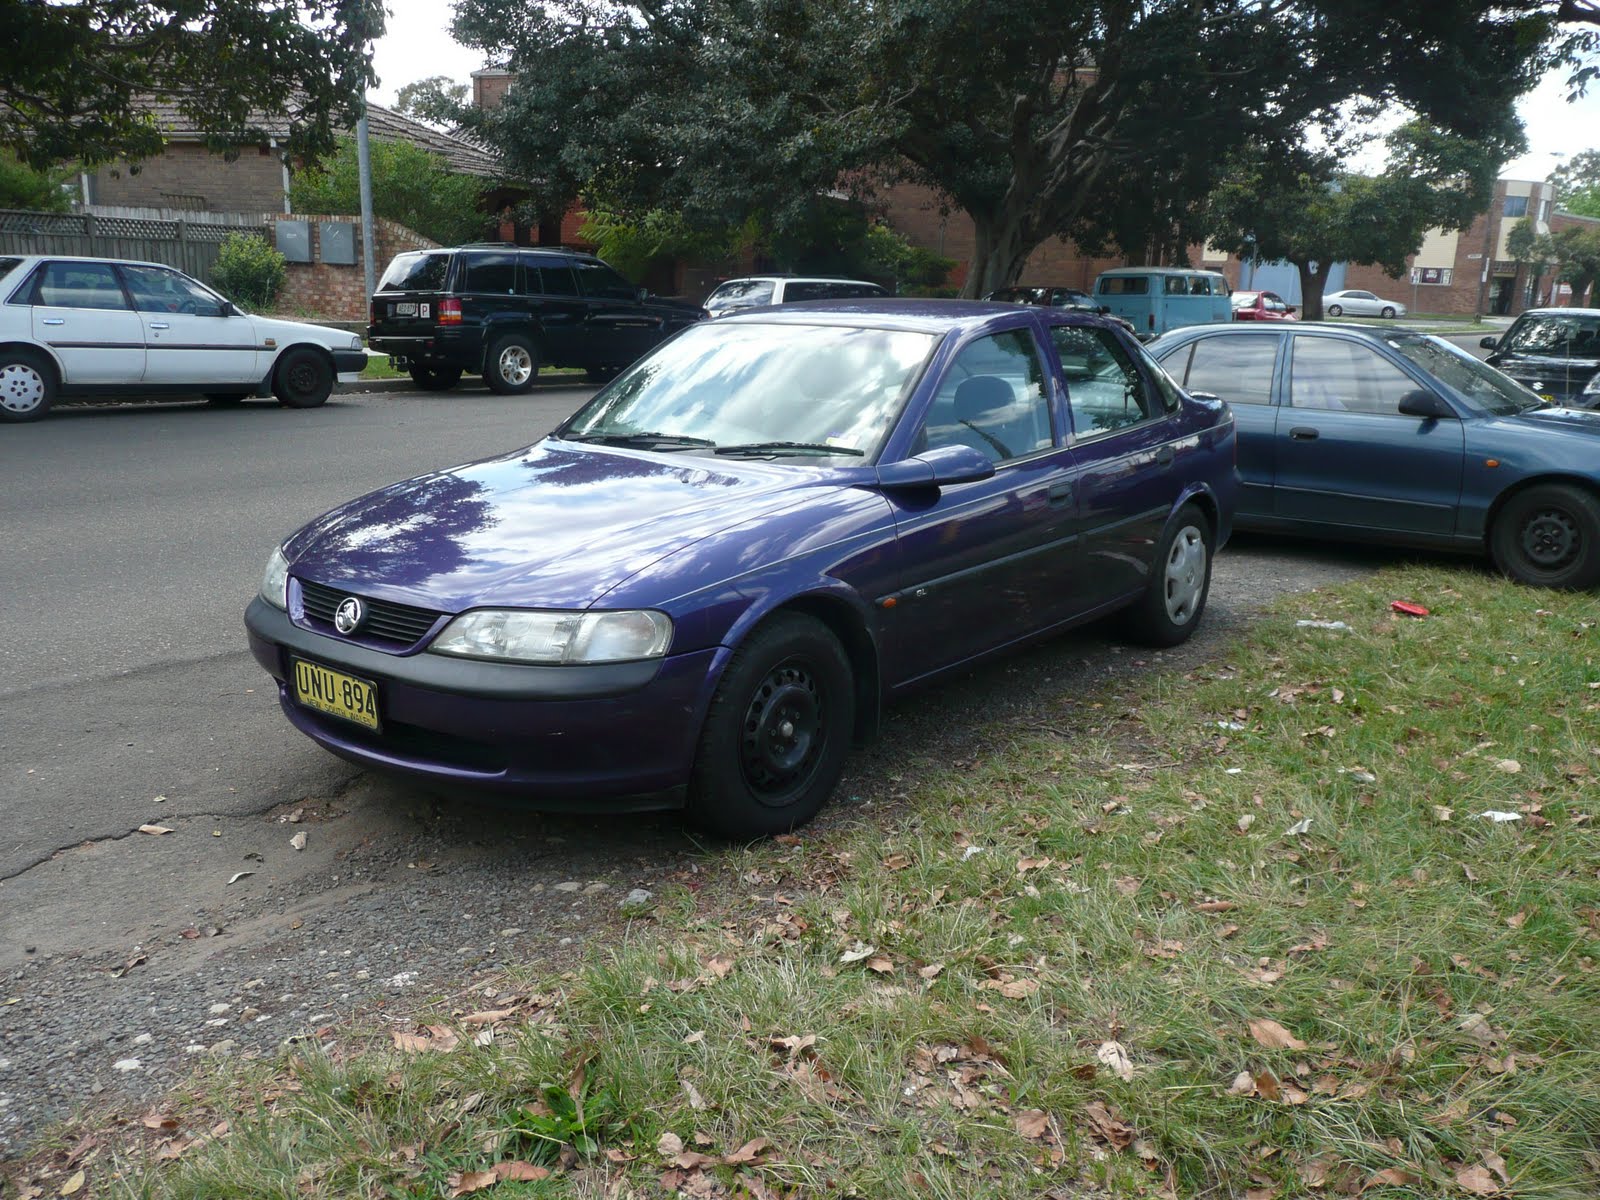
[
  {"x": 416, "y": 273},
  {"x": 1477, "y": 381},
  {"x": 741, "y": 293},
  {"x": 815, "y": 389},
  {"x": 1567, "y": 335}
]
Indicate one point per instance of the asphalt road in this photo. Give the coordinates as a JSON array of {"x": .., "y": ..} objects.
[{"x": 134, "y": 537}]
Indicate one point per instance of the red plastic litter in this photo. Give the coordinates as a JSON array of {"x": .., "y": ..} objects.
[{"x": 1410, "y": 610}]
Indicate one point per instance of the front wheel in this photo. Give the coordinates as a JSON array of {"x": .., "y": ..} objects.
[
  {"x": 1180, "y": 581},
  {"x": 511, "y": 365},
  {"x": 436, "y": 379},
  {"x": 27, "y": 386},
  {"x": 776, "y": 733},
  {"x": 1388, "y": 312},
  {"x": 304, "y": 379},
  {"x": 1335, "y": 310},
  {"x": 1549, "y": 536}
]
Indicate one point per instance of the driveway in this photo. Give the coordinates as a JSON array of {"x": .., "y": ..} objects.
[{"x": 136, "y": 536}]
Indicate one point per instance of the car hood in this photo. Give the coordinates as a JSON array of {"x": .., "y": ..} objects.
[
  {"x": 556, "y": 525},
  {"x": 284, "y": 332},
  {"x": 1580, "y": 420}
]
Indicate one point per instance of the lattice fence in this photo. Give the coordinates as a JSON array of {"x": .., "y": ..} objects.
[{"x": 191, "y": 246}]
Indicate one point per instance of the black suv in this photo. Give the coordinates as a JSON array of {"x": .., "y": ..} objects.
[
  {"x": 503, "y": 311},
  {"x": 1554, "y": 351}
]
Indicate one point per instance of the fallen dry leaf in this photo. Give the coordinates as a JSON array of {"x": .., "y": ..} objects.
[
  {"x": 1274, "y": 1036},
  {"x": 487, "y": 1017},
  {"x": 1244, "y": 1084},
  {"x": 520, "y": 1170},
  {"x": 880, "y": 964},
  {"x": 1477, "y": 1180},
  {"x": 156, "y": 830},
  {"x": 669, "y": 1145},
  {"x": 858, "y": 950},
  {"x": 463, "y": 1182},
  {"x": 1107, "y": 1124},
  {"x": 1114, "y": 1057},
  {"x": 1024, "y": 865},
  {"x": 750, "y": 1152},
  {"x": 71, "y": 1186},
  {"x": 1032, "y": 1124},
  {"x": 1509, "y": 766},
  {"x": 718, "y": 964},
  {"x": 1390, "y": 1177},
  {"x": 298, "y": 841}
]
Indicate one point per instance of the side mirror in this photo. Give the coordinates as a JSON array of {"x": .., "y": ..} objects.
[
  {"x": 1289, "y": 308},
  {"x": 642, "y": 294},
  {"x": 1424, "y": 404},
  {"x": 938, "y": 467},
  {"x": 1489, "y": 343}
]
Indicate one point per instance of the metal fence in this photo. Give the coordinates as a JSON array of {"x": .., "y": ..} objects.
[{"x": 188, "y": 241}]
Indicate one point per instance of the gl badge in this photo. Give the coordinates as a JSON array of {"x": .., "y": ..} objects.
[{"x": 347, "y": 618}]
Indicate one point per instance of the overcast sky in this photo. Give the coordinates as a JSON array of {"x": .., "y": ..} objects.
[{"x": 418, "y": 45}]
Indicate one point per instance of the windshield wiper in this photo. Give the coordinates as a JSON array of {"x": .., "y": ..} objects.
[
  {"x": 788, "y": 448},
  {"x": 676, "y": 440}
]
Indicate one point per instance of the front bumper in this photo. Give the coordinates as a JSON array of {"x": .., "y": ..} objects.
[{"x": 618, "y": 736}]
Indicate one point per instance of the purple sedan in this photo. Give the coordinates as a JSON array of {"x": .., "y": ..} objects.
[{"x": 700, "y": 590}]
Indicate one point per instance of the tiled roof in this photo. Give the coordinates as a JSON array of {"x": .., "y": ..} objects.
[{"x": 463, "y": 154}]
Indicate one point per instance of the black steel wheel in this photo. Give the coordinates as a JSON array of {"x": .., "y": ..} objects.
[
  {"x": 777, "y": 732},
  {"x": 1549, "y": 536},
  {"x": 303, "y": 378}
]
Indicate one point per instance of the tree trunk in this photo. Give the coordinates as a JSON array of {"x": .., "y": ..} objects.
[
  {"x": 1311, "y": 286},
  {"x": 1003, "y": 242}
]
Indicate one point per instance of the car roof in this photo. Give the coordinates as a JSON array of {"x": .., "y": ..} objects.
[
  {"x": 1251, "y": 328},
  {"x": 796, "y": 279},
  {"x": 1560, "y": 312},
  {"x": 1159, "y": 271},
  {"x": 88, "y": 258},
  {"x": 910, "y": 315}
]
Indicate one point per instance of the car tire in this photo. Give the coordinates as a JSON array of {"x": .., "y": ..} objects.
[
  {"x": 511, "y": 365},
  {"x": 1180, "y": 581},
  {"x": 226, "y": 399},
  {"x": 1335, "y": 310},
  {"x": 776, "y": 733},
  {"x": 1549, "y": 536},
  {"x": 303, "y": 378},
  {"x": 436, "y": 379},
  {"x": 1388, "y": 312},
  {"x": 27, "y": 385}
]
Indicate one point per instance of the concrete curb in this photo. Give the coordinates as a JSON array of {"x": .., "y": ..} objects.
[{"x": 554, "y": 384}]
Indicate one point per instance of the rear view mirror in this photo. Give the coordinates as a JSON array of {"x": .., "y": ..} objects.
[
  {"x": 1424, "y": 404},
  {"x": 1489, "y": 343},
  {"x": 938, "y": 467}
]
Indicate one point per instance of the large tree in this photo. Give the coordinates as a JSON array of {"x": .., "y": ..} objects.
[
  {"x": 1028, "y": 117},
  {"x": 1577, "y": 183},
  {"x": 1304, "y": 209},
  {"x": 77, "y": 80},
  {"x": 437, "y": 100}
]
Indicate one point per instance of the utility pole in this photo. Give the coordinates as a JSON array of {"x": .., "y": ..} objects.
[{"x": 364, "y": 169}]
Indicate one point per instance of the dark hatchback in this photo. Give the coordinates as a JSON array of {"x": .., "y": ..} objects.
[
  {"x": 504, "y": 312},
  {"x": 700, "y": 589},
  {"x": 1554, "y": 352},
  {"x": 1399, "y": 437}
]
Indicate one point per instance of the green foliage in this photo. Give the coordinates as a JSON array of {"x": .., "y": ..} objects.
[
  {"x": 249, "y": 271},
  {"x": 1306, "y": 211},
  {"x": 409, "y": 185},
  {"x": 22, "y": 186},
  {"x": 438, "y": 100},
  {"x": 78, "y": 76},
  {"x": 1573, "y": 253},
  {"x": 1032, "y": 119},
  {"x": 632, "y": 244},
  {"x": 1577, "y": 184},
  {"x": 916, "y": 270}
]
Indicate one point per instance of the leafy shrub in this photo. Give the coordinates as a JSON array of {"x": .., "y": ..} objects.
[{"x": 249, "y": 271}]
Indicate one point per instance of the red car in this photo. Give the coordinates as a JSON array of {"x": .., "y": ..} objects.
[{"x": 1261, "y": 306}]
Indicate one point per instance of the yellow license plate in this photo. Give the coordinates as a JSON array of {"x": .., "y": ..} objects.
[
  {"x": 335, "y": 693},
  {"x": 1547, "y": 396}
]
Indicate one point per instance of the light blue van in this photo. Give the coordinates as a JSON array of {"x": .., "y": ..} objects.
[{"x": 1156, "y": 299}]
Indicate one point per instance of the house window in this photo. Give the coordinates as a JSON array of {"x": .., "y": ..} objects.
[
  {"x": 1544, "y": 210},
  {"x": 1516, "y": 206}
]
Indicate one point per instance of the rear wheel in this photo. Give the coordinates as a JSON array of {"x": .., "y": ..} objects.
[
  {"x": 1180, "y": 581},
  {"x": 303, "y": 379},
  {"x": 777, "y": 731},
  {"x": 1388, "y": 311},
  {"x": 27, "y": 386},
  {"x": 1335, "y": 310},
  {"x": 436, "y": 379},
  {"x": 1549, "y": 536},
  {"x": 511, "y": 365}
]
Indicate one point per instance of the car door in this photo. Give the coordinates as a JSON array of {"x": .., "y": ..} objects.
[
  {"x": 986, "y": 562},
  {"x": 562, "y": 313},
  {"x": 1345, "y": 455},
  {"x": 81, "y": 312},
  {"x": 192, "y": 337},
  {"x": 1129, "y": 451},
  {"x": 1241, "y": 369},
  {"x": 619, "y": 327}
]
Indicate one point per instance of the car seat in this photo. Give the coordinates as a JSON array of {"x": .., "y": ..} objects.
[{"x": 982, "y": 406}]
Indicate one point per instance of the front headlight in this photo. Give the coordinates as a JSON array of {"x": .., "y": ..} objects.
[
  {"x": 355, "y": 342},
  {"x": 275, "y": 580},
  {"x": 557, "y": 637}
]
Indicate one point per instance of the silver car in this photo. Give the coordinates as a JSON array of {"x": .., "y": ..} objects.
[{"x": 1355, "y": 303}]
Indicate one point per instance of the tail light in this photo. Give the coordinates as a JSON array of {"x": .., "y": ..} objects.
[
  {"x": 449, "y": 312},
  {"x": 372, "y": 312}
]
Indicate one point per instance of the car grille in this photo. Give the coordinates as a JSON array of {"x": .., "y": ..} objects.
[{"x": 386, "y": 621}]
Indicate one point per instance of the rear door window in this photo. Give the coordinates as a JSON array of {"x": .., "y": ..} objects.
[
  {"x": 80, "y": 285},
  {"x": 422, "y": 272},
  {"x": 1239, "y": 369},
  {"x": 1125, "y": 285},
  {"x": 1332, "y": 374},
  {"x": 1105, "y": 390},
  {"x": 489, "y": 273},
  {"x": 600, "y": 282},
  {"x": 554, "y": 274}
]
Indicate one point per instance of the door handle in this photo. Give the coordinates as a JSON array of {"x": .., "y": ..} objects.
[
  {"x": 1165, "y": 455},
  {"x": 55, "y": 320},
  {"x": 1060, "y": 494},
  {"x": 159, "y": 325},
  {"x": 1303, "y": 433}
]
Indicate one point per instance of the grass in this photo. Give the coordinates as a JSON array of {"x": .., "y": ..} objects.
[
  {"x": 378, "y": 368},
  {"x": 1241, "y": 932}
]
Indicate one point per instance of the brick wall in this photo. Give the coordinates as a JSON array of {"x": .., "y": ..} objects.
[
  {"x": 489, "y": 87},
  {"x": 336, "y": 292},
  {"x": 187, "y": 175}
]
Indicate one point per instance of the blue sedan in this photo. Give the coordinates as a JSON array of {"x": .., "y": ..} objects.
[
  {"x": 1393, "y": 436},
  {"x": 699, "y": 590}
]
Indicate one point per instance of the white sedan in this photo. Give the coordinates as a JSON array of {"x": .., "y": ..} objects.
[
  {"x": 1360, "y": 304},
  {"x": 81, "y": 326}
]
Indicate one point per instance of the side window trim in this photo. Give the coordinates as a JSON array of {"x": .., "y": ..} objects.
[{"x": 1399, "y": 363}]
